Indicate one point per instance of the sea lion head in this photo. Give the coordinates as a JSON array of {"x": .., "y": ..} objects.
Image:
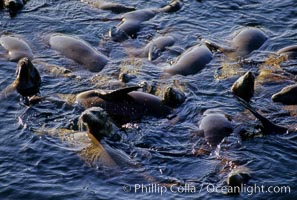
[
  {"x": 153, "y": 53},
  {"x": 173, "y": 6},
  {"x": 27, "y": 80},
  {"x": 244, "y": 86},
  {"x": 237, "y": 177},
  {"x": 13, "y": 6},
  {"x": 117, "y": 35},
  {"x": 286, "y": 96},
  {"x": 173, "y": 97},
  {"x": 97, "y": 122},
  {"x": 125, "y": 77}
]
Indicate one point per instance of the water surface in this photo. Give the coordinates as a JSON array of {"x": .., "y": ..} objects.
[{"x": 41, "y": 166}]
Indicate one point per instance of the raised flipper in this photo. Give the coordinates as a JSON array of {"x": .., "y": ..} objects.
[
  {"x": 268, "y": 126},
  {"x": 213, "y": 47},
  {"x": 119, "y": 94}
]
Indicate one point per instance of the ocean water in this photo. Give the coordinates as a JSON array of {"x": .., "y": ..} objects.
[{"x": 38, "y": 164}]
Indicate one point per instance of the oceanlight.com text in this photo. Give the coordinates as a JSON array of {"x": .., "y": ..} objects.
[{"x": 205, "y": 187}]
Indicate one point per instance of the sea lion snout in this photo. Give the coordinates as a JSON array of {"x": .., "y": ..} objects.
[
  {"x": 23, "y": 62},
  {"x": 25, "y": 69}
]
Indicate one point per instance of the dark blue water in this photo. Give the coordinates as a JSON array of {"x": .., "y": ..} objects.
[{"x": 37, "y": 164}]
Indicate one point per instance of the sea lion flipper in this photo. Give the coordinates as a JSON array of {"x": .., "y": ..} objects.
[
  {"x": 252, "y": 110},
  {"x": 119, "y": 94},
  {"x": 268, "y": 126},
  {"x": 7, "y": 91},
  {"x": 213, "y": 47}
]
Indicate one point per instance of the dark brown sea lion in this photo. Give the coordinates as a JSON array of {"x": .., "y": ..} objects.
[
  {"x": 237, "y": 178},
  {"x": 290, "y": 52},
  {"x": 126, "y": 77},
  {"x": 245, "y": 42},
  {"x": 27, "y": 82},
  {"x": 287, "y": 96},
  {"x": 244, "y": 86},
  {"x": 13, "y": 6},
  {"x": 173, "y": 97},
  {"x": 113, "y": 7},
  {"x": 191, "y": 61},
  {"x": 16, "y": 48},
  {"x": 79, "y": 51},
  {"x": 125, "y": 104},
  {"x": 131, "y": 22}
]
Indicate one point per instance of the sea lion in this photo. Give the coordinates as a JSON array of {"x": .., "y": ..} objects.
[
  {"x": 288, "y": 95},
  {"x": 27, "y": 82},
  {"x": 79, "y": 51},
  {"x": 245, "y": 42},
  {"x": 97, "y": 122},
  {"x": 113, "y": 7},
  {"x": 149, "y": 87},
  {"x": 215, "y": 125},
  {"x": 131, "y": 22},
  {"x": 126, "y": 77},
  {"x": 154, "y": 48},
  {"x": 191, "y": 61},
  {"x": 16, "y": 47},
  {"x": 173, "y": 97},
  {"x": 13, "y": 6},
  {"x": 290, "y": 52},
  {"x": 244, "y": 86},
  {"x": 237, "y": 178},
  {"x": 124, "y": 105},
  {"x": 98, "y": 126}
]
